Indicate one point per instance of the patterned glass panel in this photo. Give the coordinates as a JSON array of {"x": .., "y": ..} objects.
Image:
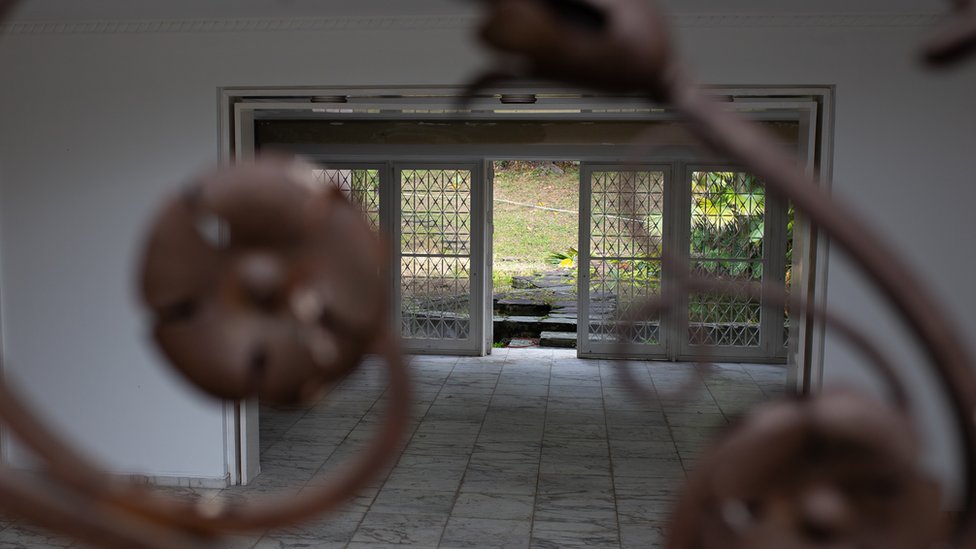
[
  {"x": 435, "y": 251},
  {"x": 626, "y": 232},
  {"x": 361, "y": 187},
  {"x": 725, "y": 320},
  {"x": 727, "y": 233}
]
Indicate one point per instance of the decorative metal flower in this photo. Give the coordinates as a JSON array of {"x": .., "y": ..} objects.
[
  {"x": 838, "y": 470},
  {"x": 263, "y": 282}
]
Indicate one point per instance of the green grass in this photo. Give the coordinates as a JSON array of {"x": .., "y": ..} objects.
[{"x": 526, "y": 235}]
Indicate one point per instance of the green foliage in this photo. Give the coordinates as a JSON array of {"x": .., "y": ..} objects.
[
  {"x": 728, "y": 222},
  {"x": 525, "y": 232},
  {"x": 567, "y": 259},
  {"x": 501, "y": 281}
]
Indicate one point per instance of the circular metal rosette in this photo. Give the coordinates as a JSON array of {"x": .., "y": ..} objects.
[
  {"x": 836, "y": 470},
  {"x": 263, "y": 282}
]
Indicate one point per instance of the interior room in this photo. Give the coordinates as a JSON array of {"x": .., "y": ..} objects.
[{"x": 547, "y": 408}]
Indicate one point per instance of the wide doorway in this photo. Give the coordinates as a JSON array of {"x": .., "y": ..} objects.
[
  {"x": 425, "y": 178},
  {"x": 535, "y": 253}
]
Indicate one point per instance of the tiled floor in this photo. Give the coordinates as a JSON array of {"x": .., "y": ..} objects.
[{"x": 525, "y": 448}]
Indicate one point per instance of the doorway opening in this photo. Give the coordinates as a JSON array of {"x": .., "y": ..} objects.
[
  {"x": 535, "y": 259},
  {"x": 422, "y": 172}
]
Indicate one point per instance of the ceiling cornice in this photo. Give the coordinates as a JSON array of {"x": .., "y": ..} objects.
[
  {"x": 326, "y": 24},
  {"x": 826, "y": 20}
]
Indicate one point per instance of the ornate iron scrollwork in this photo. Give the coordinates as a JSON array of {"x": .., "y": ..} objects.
[{"x": 260, "y": 284}]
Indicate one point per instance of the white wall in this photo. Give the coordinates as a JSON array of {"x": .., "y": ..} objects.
[{"x": 95, "y": 128}]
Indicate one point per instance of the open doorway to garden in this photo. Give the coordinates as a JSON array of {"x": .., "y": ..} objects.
[{"x": 535, "y": 244}]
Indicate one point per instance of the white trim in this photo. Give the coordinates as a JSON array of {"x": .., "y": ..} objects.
[
  {"x": 230, "y": 427},
  {"x": 445, "y": 22},
  {"x": 809, "y": 20},
  {"x": 245, "y": 25},
  {"x": 818, "y": 337},
  {"x": 488, "y": 263},
  {"x": 249, "y": 427}
]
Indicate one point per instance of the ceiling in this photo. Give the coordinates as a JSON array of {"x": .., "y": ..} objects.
[{"x": 73, "y": 10}]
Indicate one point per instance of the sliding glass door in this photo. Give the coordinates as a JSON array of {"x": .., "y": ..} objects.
[
  {"x": 624, "y": 225},
  {"x": 736, "y": 234},
  {"x": 440, "y": 249},
  {"x": 714, "y": 222}
]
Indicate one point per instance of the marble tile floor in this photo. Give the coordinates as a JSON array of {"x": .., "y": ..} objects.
[{"x": 526, "y": 448}]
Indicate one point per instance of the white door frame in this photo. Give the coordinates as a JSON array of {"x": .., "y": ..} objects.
[
  {"x": 812, "y": 106},
  {"x": 586, "y": 347},
  {"x": 474, "y": 343}
]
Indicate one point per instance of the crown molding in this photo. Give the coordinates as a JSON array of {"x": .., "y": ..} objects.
[
  {"x": 821, "y": 20},
  {"x": 442, "y": 22},
  {"x": 272, "y": 24}
]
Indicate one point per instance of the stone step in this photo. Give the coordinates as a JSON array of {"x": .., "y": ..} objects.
[
  {"x": 521, "y": 307},
  {"x": 561, "y": 340},
  {"x": 559, "y": 324},
  {"x": 507, "y": 327}
]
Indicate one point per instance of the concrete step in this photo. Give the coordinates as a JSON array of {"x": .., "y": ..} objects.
[{"x": 561, "y": 340}]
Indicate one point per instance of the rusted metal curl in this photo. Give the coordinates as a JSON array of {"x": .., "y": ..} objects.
[
  {"x": 264, "y": 282},
  {"x": 261, "y": 284},
  {"x": 815, "y": 451},
  {"x": 838, "y": 470}
]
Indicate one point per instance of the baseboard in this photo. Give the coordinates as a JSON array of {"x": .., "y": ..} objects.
[{"x": 181, "y": 482}]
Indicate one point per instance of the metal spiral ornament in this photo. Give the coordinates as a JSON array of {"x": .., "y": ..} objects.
[{"x": 261, "y": 284}]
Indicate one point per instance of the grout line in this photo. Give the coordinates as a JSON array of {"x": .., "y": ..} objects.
[
  {"x": 613, "y": 478},
  {"x": 711, "y": 395},
  {"x": 765, "y": 395},
  {"x": 667, "y": 422},
  {"x": 457, "y": 492},
  {"x": 542, "y": 443},
  {"x": 420, "y": 422}
]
